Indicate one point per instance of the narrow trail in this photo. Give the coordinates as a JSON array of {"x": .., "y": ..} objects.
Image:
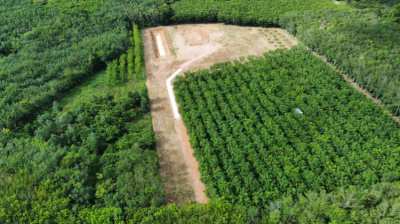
[
  {"x": 192, "y": 164},
  {"x": 178, "y": 165}
]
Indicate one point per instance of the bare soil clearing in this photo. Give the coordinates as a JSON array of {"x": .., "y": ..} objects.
[{"x": 192, "y": 47}]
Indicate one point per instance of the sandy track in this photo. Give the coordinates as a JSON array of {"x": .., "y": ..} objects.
[{"x": 189, "y": 47}]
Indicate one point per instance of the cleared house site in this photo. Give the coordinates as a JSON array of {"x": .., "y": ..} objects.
[{"x": 173, "y": 50}]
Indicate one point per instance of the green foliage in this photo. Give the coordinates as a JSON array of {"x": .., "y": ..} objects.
[
  {"x": 129, "y": 176},
  {"x": 117, "y": 71},
  {"x": 372, "y": 3},
  {"x": 131, "y": 61},
  {"x": 215, "y": 212},
  {"x": 395, "y": 13},
  {"x": 138, "y": 49},
  {"x": 113, "y": 73},
  {"x": 251, "y": 145},
  {"x": 123, "y": 71},
  {"x": 101, "y": 215},
  {"x": 244, "y": 12},
  {"x": 99, "y": 154},
  {"x": 379, "y": 204},
  {"x": 29, "y": 191},
  {"x": 39, "y": 43},
  {"x": 361, "y": 44},
  {"x": 76, "y": 5}
]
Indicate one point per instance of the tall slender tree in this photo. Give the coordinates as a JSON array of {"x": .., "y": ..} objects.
[
  {"x": 122, "y": 68},
  {"x": 131, "y": 61},
  {"x": 138, "y": 52}
]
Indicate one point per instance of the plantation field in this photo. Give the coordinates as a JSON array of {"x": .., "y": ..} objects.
[
  {"x": 362, "y": 43},
  {"x": 188, "y": 47},
  {"x": 245, "y": 12},
  {"x": 284, "y": 124}
]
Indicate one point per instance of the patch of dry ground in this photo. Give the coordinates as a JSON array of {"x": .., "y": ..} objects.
[{"x": 190, "y": 47}]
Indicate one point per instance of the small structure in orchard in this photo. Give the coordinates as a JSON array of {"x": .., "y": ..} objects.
[{"x": 298, "y": 111}]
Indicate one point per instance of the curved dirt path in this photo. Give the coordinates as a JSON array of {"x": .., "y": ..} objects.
[
  {"x": 179, "y": 167},
  {"x": 192, "y": 165}
]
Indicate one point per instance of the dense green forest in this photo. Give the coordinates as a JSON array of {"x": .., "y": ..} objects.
[
  {"x": 76, "y": 138},
  {"x": 100, "y": 154},
  {"x": 46, "y": 49},
  {"x": 284, "y": 124},
  {"x": 90, "y": 156}
]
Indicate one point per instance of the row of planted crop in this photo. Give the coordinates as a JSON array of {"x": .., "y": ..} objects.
[
  {"x": 350, "y": 39},
  {"x": 130, "y": 65},
  {"x": 253, "y": 147}
]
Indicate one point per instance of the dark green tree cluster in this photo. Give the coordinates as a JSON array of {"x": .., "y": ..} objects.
[
  {"x": 243, "y": 12},
  {"x": 49, "y": 47},
  {"x": 138, "y": 51},
  {"x": 395, "y": 13},
  {"x": 284, "y": 124},
  {"x": 378, "y": 204},
  {"x": 131, "y": 61},
  {"x": 117, "y": 70},
  {"x": 371, "y": 3},
  {"x": 129, "y": 65},
  {"x": 99, "y": 155}
]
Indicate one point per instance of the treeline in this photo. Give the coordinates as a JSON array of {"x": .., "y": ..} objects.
[
  {"x": 130, "y": 65},
  {"x": 362, "y": 43},
  {"x": 13, "y": 16},
  {"x": 243, "y": 12},
  {"x": 47, "y": 49},
  {"x": 98, "y": 155},
  {"x": 378, "y": 204},
  {"x": 284, "y": 124}
]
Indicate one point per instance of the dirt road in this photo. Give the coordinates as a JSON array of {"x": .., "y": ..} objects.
[{"x": 174, "y": 50}]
